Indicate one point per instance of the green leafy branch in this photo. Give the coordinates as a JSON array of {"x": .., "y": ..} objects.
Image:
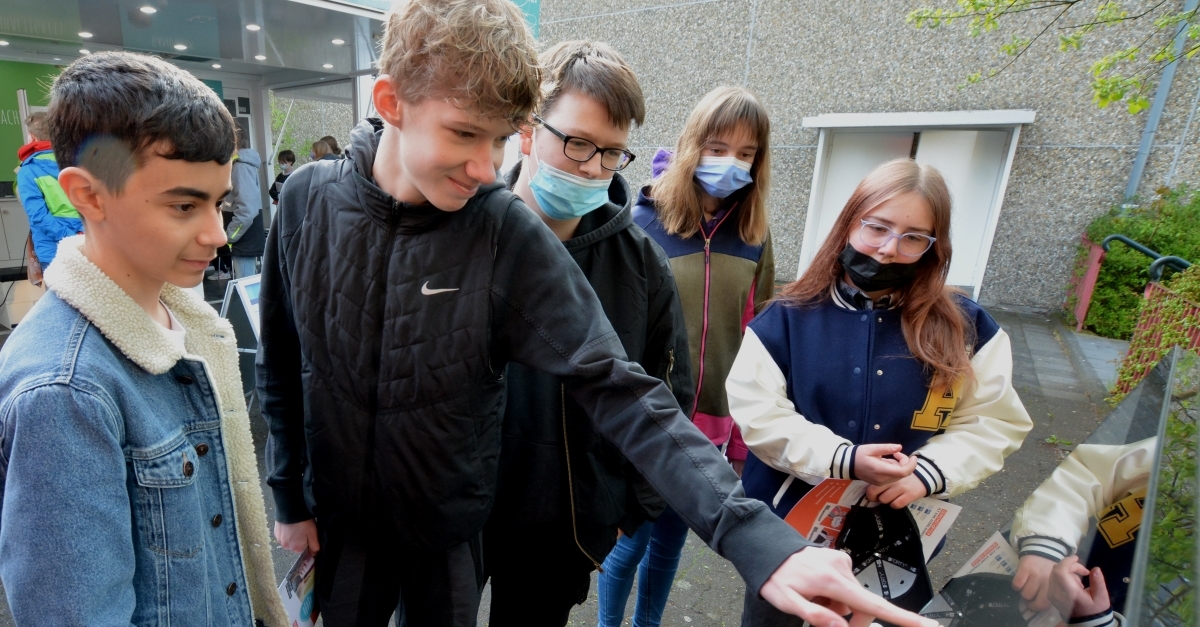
[{"x": 1125, "y": 75}]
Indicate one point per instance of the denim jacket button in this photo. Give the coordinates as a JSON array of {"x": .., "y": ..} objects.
[
  {"x": 202, "y": 449},
  {"x": 232, "y": 588},
  {"x": 188, "y": 469},
  {"x": 216, "y": 521},
  {"x": 185, "y": 379}
]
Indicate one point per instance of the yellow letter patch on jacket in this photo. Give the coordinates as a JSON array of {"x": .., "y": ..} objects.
[
  {"x": 939, "y": 404},
  {"x": 1120, "y": 522}
]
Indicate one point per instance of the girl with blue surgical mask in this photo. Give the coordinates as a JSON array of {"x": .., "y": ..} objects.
[{"x": 706, "y": 207}]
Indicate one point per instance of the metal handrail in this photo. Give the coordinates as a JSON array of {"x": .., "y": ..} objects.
[
  {"x": 1156, "y": 268},
  {"x": 1132, "y": 244},
  {"x": 1160, "y": 262}
]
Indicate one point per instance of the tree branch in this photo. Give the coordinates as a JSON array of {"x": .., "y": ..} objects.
[
  {"x": 1121, "y": 19},
  {"x": 1032, "y": 41},
  {"x": 1048, "y": 4}
]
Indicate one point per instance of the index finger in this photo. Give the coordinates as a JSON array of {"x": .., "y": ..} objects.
[{"x": 862, "y": 602}]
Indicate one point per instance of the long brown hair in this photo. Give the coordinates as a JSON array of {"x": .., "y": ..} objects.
[
  {"x": 934, "y": 326},
  {"x": 677, "y": 194}
]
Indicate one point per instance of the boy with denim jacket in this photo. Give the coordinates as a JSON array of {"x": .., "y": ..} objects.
[{"x": 130, "y": 488}]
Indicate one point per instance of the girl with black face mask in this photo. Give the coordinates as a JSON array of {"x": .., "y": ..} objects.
[{"x": 870, "y": 367}]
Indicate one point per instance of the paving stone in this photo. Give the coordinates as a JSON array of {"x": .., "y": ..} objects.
[{"x": 1049, "y": 380}]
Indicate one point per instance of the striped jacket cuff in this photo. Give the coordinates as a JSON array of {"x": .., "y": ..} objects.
[
  {"x": 1042, "y": 546},
  {"x": 1107, "y": 618},
  {"x": 843, "y": 462},
  {"x": 930, "y": 475}
]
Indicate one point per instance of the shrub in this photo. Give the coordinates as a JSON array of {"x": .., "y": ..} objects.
[
  {"x": 1187, "y": 283},
  {"x": 1170, "y": 225}
]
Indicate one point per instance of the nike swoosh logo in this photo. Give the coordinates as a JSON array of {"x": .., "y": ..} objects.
[{"x": 428, "y": 292}]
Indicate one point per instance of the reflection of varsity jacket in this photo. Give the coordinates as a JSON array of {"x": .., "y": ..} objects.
[
  {"x": 722, "y": 283},
  {"x": 1096, "y": 482},
  {"x": 811, "y": 383}
]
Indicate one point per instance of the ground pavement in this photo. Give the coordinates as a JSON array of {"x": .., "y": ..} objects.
[{"x": 1061, "y": 378}]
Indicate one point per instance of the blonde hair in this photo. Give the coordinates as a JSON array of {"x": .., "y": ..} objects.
[
  {"x": 676, "y": 193},
  {"x": 933, "y": 324},
  {"x": 477, "y": 53},
  {"x": 594, "y": 69}
]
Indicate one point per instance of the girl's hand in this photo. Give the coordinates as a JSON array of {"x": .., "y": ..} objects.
[
  {"x": 1033, "y": 581},
  {"x": 1068, "y": 595},
  {"x": 900, "y": 493},
  {"x": 881, "y": 464}
]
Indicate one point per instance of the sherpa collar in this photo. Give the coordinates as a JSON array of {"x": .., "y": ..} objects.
[
  {"x": 84, "y": 286},
  {"x": 209, "y": 340}
]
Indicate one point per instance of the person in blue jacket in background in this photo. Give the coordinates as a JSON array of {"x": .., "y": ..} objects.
[
  {"x": 870, "y": 367},
  {"x": 52, "y": 218}
]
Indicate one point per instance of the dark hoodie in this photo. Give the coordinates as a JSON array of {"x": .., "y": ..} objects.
[
  {"x": 385, "y": 330},
  {"x": 543, "y": 428}
]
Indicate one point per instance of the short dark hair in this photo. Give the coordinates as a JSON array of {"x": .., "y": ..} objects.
[
  {"x": 243, "y": 139},
  {"x": 36, "y": 123},
  {"x": 286, "y": 155},
  {"x": 108, "y": 108},
  {"x": 593, "y": 69}
]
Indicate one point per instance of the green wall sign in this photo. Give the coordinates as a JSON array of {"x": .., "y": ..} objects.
[{"x": 35, "y": 79}]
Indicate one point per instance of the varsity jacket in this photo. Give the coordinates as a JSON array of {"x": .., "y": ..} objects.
[
  {"x": 1097, "y": 483},
  {"x": 52, "y": 218},
  {"x": 723, "y": 282},
  {"x": 386, "y": 329},
  {"x": 810, "y": 383},
  {"x": 555, "y": 467}
]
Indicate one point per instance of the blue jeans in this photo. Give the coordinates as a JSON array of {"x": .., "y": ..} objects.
[
  {"x": 244, "y": 267},
  {"x": 655, "y": 572}
]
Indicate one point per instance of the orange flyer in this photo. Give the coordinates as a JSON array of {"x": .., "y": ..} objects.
[{"x": 820, "y": 515}]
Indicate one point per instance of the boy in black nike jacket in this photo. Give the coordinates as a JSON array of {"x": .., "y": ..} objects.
[{"x": 397, "y": 284}]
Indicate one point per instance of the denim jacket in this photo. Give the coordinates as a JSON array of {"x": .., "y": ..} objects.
[{"x": 130, "y": 488}]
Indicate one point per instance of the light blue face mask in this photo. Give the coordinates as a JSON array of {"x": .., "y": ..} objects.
[
  {"x": 722, "y": 176},
  {"x": 563, "y": 196}
]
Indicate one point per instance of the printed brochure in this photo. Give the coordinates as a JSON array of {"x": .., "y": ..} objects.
[
  {"x": 820, "y": 514},
  {"x": 934, "y": 518},
  {"x": 298, "y": 591}
]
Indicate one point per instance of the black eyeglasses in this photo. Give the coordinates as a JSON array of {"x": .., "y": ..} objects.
[{"x": 582, "y": 150}]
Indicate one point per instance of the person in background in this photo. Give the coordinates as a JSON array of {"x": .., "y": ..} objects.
[
  {"x": 321, "y": 151},
  {"x": 245, "y": 231},
  {"x": 130, "y": 489},
  {"x": 286, "y": 162},
  {"x": 708, "y": 212},
  {"x": 333, "y": 146},
  {"x": 870, "y": 367},
  {"x": 51, "y": 216},
  {"x": 562, "y": 484}
]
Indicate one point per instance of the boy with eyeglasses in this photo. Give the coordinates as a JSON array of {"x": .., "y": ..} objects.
[{"x": 562, "y": 485}]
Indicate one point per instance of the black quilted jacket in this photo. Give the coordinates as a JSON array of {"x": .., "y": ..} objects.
[
  {"x": 554, "y": 462},
  {"x": 383, "y": 391}
]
